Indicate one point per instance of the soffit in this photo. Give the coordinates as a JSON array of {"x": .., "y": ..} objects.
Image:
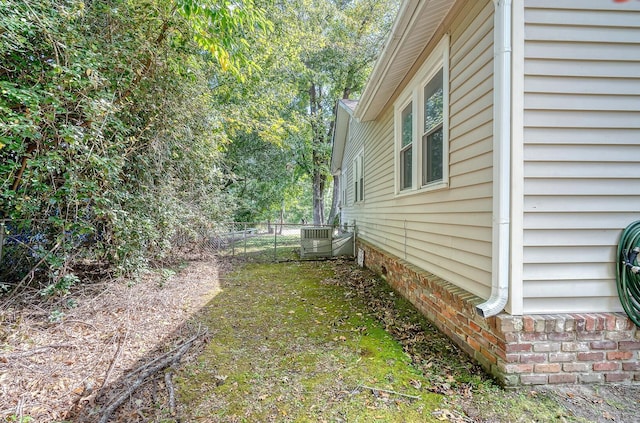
[
  {"x": 344, "y": 111},
  {"x": 415, "y": 25}
]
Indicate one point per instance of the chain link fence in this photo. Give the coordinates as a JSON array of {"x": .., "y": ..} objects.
[
  {"x": 33, "y": 253},
  {"x": 265, "y": 241}
]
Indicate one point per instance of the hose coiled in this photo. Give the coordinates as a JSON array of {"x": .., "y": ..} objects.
[{"x": 628, "y": 272}]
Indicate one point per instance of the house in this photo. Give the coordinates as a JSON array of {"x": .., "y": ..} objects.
[{"x": 491, "y": 165}]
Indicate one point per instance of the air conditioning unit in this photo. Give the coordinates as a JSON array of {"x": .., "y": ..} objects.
[{"x": 315, "y": 242}]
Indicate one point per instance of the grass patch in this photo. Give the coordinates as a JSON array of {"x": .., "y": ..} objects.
[
  {"x": 287, "y": 346},
  {"x": 307, "y": 342},
  {"x": 467, "y": 388},
  {"x": 265, "y": 247}
]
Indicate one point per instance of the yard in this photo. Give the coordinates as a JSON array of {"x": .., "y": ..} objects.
[{"x": 295, "y": 341}]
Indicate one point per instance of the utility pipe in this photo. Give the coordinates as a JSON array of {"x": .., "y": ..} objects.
[{"x": 501, "y": 160}]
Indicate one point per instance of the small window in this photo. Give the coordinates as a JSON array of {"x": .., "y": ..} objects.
[
  {"x": 358, "y": 177},
  {"x": 406, "y": 147}
]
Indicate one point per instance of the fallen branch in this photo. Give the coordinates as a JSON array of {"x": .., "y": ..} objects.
[
  {"x": 79, "y": 322},
  {"x": 152, "y": 362},
  {"x": 34, "y": 351},
  {"x": 372, "y": 389},
  {"x": 145, "y": 371},
  {"x": 107, "y": 375},
  {"x": 172, "y": 393}
]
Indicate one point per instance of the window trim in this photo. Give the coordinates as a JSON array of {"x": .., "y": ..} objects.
[
  {"x": 403, "y": 148},
  {"x": 414, "y": 92},
  {"x": 358, "y": 177},
  {"x": 343, "y": 189}
]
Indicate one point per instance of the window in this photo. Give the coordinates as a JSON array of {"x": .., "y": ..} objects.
[
  {"x": 358, "y": 177},
  {"x": 406, "y": 159},
  {"x": 421, "y": 124},
  {"x": 432, "y": 137},
  {"x": 343, "y": 187}
]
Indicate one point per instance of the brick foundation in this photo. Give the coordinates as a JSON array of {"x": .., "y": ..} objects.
[{"x": 519, "y": 350}]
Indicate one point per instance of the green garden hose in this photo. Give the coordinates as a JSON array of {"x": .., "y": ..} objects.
[{"x": 628, "y": 275}]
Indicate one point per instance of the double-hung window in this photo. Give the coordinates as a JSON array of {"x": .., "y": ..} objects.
[
  {"x": 406, "y": 147},
  {"x": 421, "y": 122},
  {"x": 358, "y": 177},
  {"x": 343, "y": 187}
]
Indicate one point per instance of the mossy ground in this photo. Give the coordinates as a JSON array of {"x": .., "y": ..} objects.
[
  {"x": 307, "y": 342},
  {"x": 287, "y": 347}
]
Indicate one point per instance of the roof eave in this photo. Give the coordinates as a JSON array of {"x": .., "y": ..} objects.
[
  {"x": 344, "y": 112},
  {"x": 415, "y": 25}
]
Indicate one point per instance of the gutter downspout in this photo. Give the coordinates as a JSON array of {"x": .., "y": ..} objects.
[{"x": 501, "y": 161}]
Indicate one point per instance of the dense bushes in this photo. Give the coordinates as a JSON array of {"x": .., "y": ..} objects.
[{"x": 109, "y": 139}]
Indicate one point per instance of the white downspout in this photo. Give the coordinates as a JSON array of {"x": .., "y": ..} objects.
[{"x": 501, "y": 160}]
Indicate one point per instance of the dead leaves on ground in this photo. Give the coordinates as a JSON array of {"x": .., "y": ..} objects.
[{"x": 441, "y": 361}]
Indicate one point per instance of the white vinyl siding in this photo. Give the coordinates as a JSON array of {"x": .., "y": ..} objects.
[
  {"x": 581, "y": 150},
  {"x": 354, "y": 147},
  {"x": 448, "y": 231}
]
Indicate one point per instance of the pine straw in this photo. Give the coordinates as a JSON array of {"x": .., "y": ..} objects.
[{"x": 51, "y": 370}]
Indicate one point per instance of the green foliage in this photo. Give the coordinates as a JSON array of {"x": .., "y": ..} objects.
[
  {"x": 236, "y": 19},
  {"x": 60, "y": 285},
  {"x": 19, "y": 419},
  {"x": 317, "y": 52},
  {"x": 119, "y": 126},
  {"x": 264, "y": 178},
  {"x": 331, "y": 46},
  {"x": 56, "y": 316},
  {"x": 110, "y": 135}
]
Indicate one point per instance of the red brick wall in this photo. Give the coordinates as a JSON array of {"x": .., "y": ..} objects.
[{"x": 519, "y": 350}]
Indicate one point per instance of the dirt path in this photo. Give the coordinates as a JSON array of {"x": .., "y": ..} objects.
[{"x": 62, "y": 355}]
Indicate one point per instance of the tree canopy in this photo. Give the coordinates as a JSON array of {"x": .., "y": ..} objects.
[{"x": 124, "y": 122}]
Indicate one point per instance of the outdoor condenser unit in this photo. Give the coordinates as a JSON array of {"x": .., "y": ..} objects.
[{"x": 315, "y": 242}]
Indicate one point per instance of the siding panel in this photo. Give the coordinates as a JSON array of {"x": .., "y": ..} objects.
[
  {"x": 446, "y": 231},
  {"x": 550, "y": 50},
  {"x": 581, "y": 150}
]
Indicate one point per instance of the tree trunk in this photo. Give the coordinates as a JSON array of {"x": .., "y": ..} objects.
[
  {"x": 337, "y": 180},
  {"x": 318, "y": 196},
  {"x": 318, "y": 177}
]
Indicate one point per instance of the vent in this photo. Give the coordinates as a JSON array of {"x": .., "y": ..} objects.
[
  {"x": 315, "y": 242},
  {"x": 315, "y": 233}
]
